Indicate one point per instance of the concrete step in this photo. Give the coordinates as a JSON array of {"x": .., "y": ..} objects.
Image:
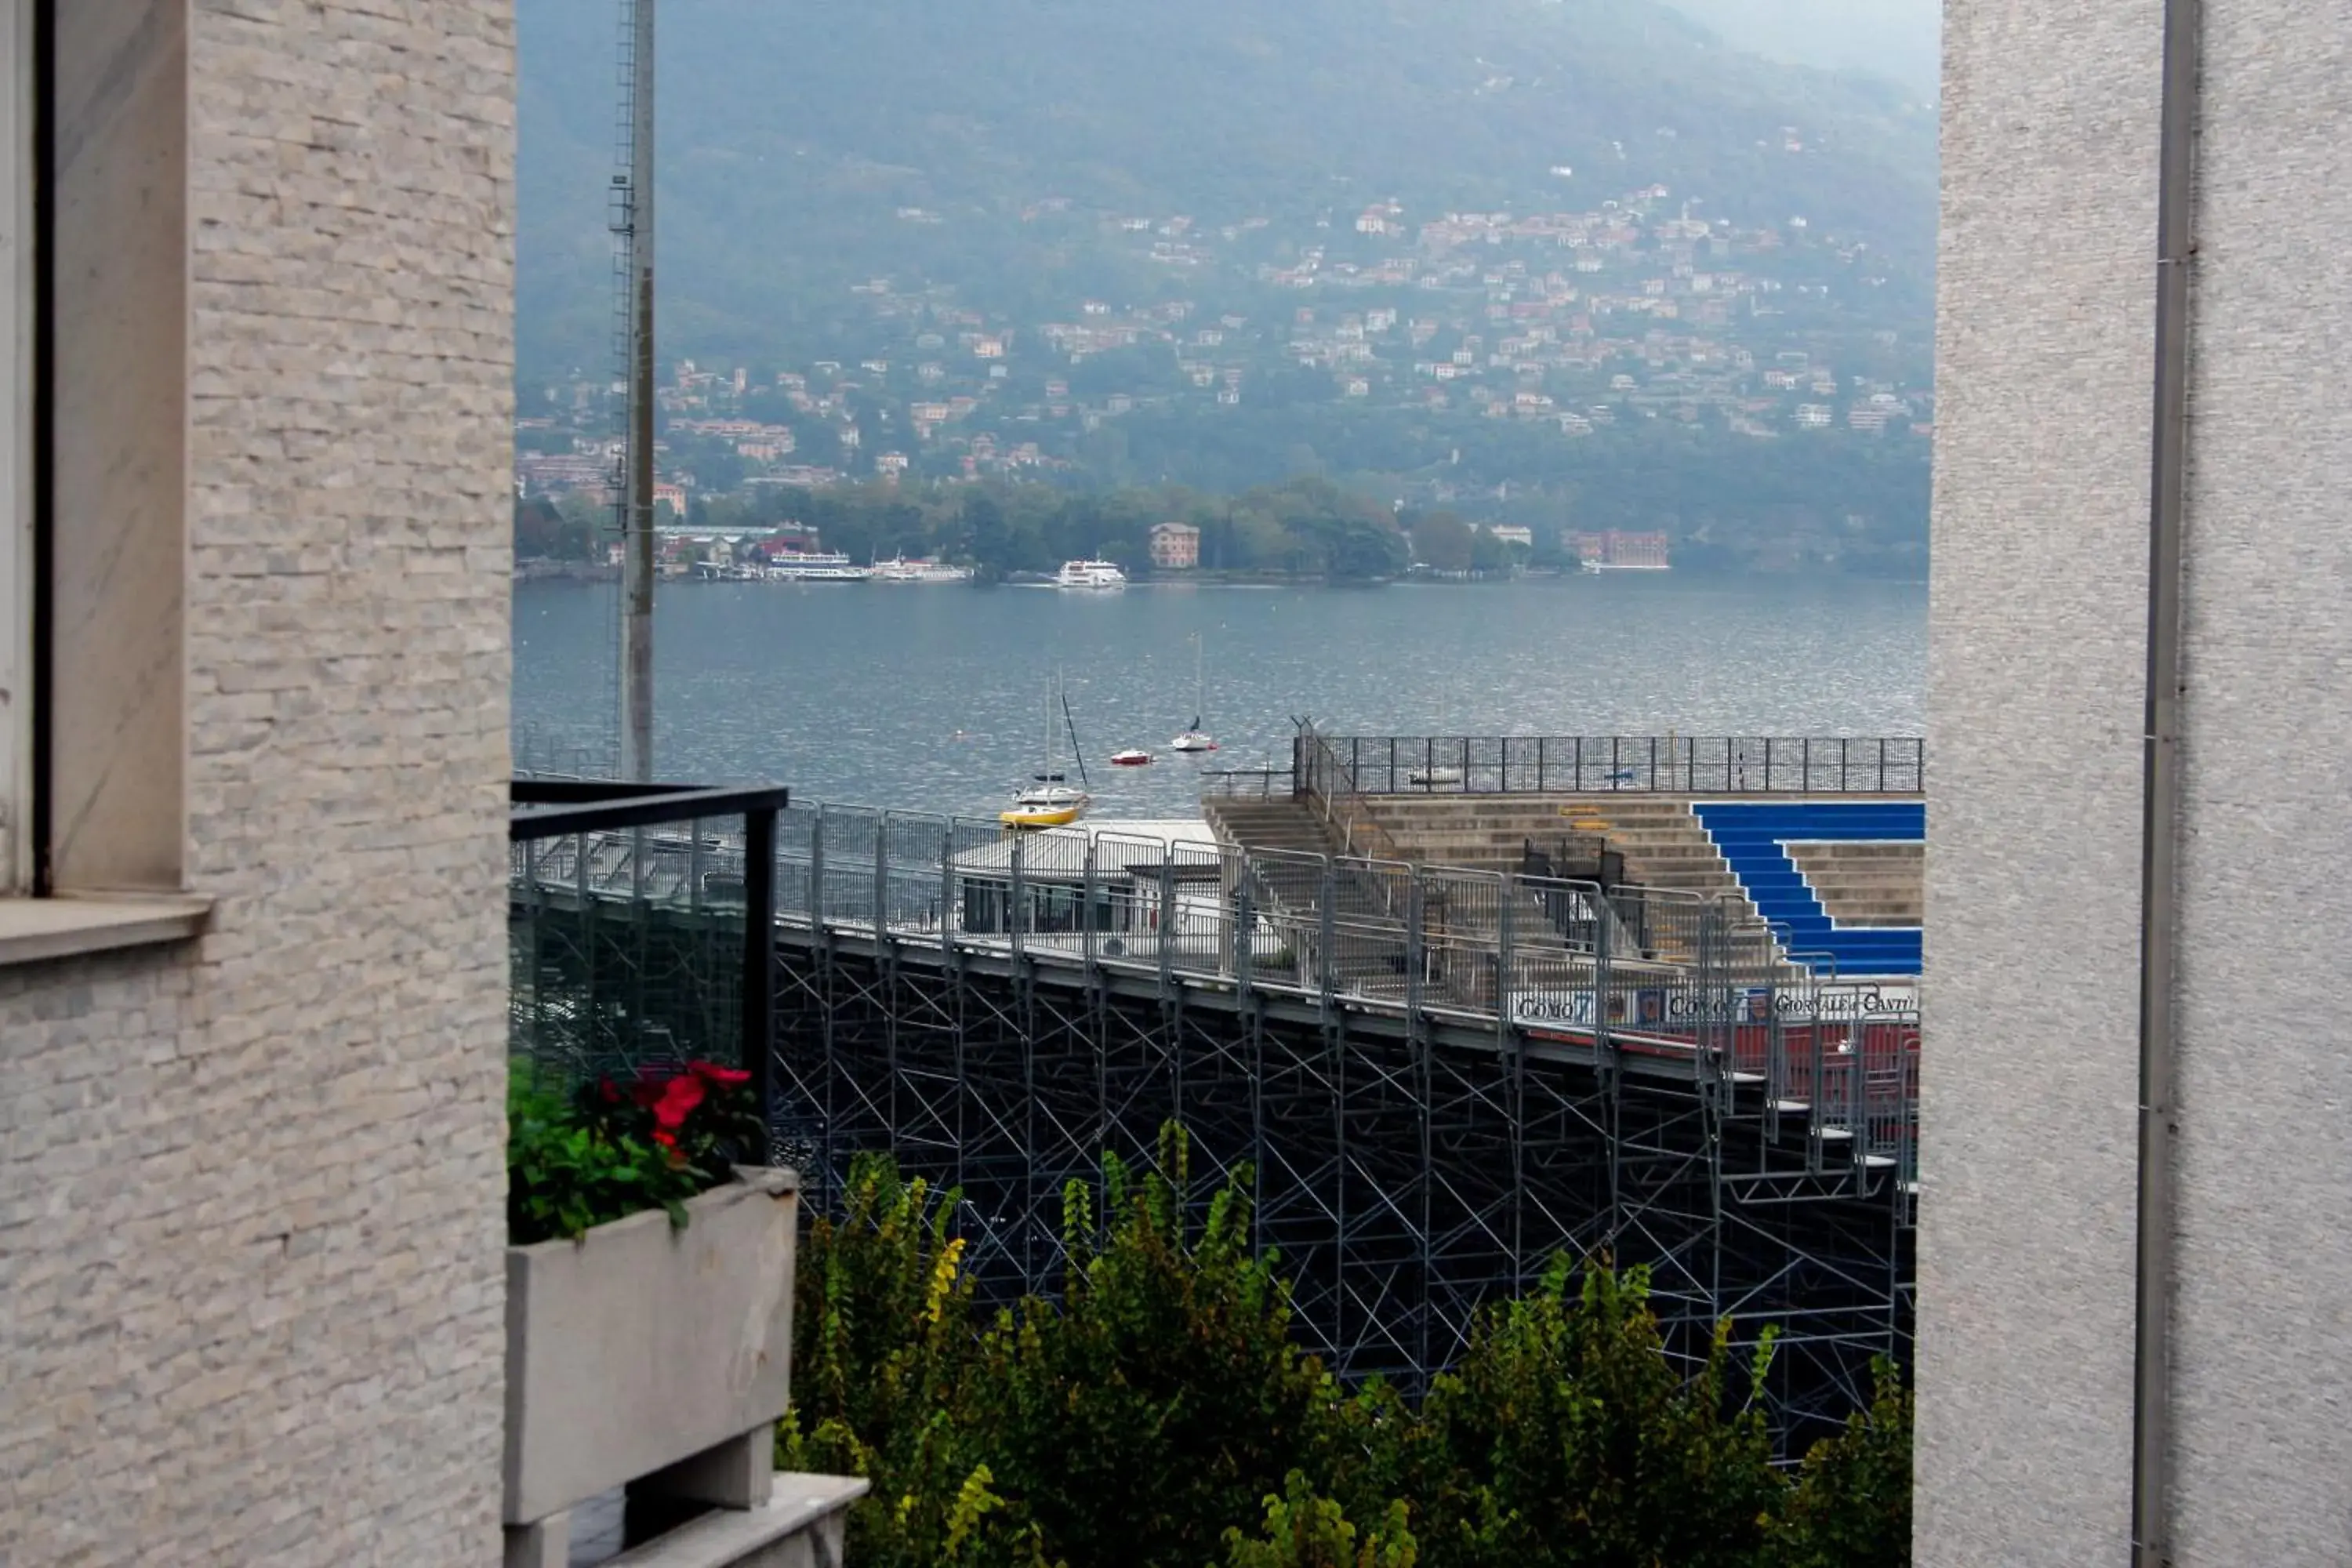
[
  {"x": 801, "y": 1526},
  {"x": 1898, "y": 853},
  {"x": 1282, "y": 823},
  {"x": 800, "y": 1523}
]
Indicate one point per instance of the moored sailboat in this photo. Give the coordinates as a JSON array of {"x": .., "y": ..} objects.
[
  {"x": 1049, "y": 800},
  {"x": 1194, "y": 738}
]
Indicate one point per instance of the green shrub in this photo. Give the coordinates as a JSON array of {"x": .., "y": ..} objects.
[{"x": 1157, "y": 1412}]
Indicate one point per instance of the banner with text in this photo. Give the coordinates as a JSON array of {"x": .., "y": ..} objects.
[{"x": 1670, "y": 1008}]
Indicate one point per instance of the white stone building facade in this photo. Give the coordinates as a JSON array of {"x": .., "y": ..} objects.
[{"x": 252, "y": 1055}]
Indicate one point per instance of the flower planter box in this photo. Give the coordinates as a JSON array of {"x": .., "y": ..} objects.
[{"x": 641, "y": 1346}]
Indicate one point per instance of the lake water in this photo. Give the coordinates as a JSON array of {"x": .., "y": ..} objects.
[{"x": 934, "y": 698}]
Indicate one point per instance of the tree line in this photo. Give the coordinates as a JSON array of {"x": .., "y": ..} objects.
[
  {"x": 1303, "y": 528},
  {"x": 1835, "y": 501},
  {"x": 1156, "y": 1411}
]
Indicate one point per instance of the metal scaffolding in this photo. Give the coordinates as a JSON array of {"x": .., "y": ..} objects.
[{"x": 1437, "y": 1080}]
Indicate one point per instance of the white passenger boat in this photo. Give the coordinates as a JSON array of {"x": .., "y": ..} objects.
[
  {"x": 816, "y": 569},
  {"x": 898, "y": 569},
  {"x": 1093, "y": 575}
]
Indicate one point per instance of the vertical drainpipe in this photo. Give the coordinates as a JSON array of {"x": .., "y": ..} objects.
[{"x": 2159, "y": 830}]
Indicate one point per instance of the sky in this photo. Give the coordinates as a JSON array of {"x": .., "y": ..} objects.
[{"x": 1900, "y": 39}]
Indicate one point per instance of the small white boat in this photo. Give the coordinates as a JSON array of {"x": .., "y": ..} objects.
[
  {"x": 1439, "y": 777},
  {"x": 1133, "y": 757},
  {"x": 1089, "y": 574}
]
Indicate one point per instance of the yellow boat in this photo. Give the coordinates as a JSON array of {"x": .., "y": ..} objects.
[
  {"x": 1044, "y": 814},
  {"x": 1050, "y": 800}
]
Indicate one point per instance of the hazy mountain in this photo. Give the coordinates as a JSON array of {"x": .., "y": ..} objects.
[
  {"x": 1897, "y": 38},
  {"x": 797, "y": 138}
]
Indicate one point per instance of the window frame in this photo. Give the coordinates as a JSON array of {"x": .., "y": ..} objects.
[
  {"x": 20, "y": 562},
  {"x": 41, "y": 921}
]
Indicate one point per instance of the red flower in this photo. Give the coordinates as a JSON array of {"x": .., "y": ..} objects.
[
  {"x": 648, "y": 1089},
  {"x": 678, "y": 1098},
  {"x": 667, "y": 1140},
  {"x": 719, "y": 1077}
]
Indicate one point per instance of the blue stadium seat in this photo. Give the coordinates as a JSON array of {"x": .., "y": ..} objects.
[{"x": 1753, "y": 837}]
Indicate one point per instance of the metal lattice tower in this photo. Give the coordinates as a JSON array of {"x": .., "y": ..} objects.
[{"x": 630, "y": 215}]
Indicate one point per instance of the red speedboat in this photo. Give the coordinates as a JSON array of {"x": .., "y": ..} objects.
[{"x": 1133, "y": 757}]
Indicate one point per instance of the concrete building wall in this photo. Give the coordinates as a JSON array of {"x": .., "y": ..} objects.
[
  {"x": 2264, "y": 1321},
  {"x": 251, "y": 1215},
  {"x": 2037, "y": 677}
]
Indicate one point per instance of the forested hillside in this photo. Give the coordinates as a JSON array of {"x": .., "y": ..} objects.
[{"x": 793, "y": 136}]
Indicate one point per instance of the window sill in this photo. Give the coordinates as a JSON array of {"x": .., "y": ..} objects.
[{"x": 35, "y": 930}]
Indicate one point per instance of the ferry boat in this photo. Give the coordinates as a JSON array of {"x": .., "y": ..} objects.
[
  {"x": 816, "y": 569},
  {"x": 898, "y": 569},
  {"x": 1089, "y": 574}
]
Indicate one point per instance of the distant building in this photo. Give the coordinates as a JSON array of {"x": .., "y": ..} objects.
[
  {"x": 1513, "y": 533},
  {"x": 1175, "y": 547},
  {"x": 1623, "y": 550}
]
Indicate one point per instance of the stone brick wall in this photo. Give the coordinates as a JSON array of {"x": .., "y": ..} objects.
[{"x": 251, "y": 1192}]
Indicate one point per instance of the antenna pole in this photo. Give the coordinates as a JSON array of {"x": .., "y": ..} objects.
[{"x": 637, "y": 501}]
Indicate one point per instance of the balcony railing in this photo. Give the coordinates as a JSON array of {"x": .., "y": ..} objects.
[{"x": 598, "y": 985}]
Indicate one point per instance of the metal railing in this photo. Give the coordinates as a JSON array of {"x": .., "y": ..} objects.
[
  {"x": 596, "y": 986},
  {"x": 1667, "y": 976},
  {"x": 1326, "y": 781},
  {"x": 1249, "y": 783},
  {"x": 1669, "y": 765}
]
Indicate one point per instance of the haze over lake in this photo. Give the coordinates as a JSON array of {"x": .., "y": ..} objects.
[{"x": 935, "y": 698}]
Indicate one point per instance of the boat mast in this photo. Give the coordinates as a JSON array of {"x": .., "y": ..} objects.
[
  {"x": 1076, "y": 755},
  {"x": 1200, "y": 678}
]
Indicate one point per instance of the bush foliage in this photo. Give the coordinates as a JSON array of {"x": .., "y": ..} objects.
[{"x": 1158, "y": 1413}]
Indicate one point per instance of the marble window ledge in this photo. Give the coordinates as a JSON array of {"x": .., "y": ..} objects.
[{"x": 35, "y": 930}]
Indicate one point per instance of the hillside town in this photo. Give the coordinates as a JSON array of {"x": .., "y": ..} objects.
[{"x": 1564, "y": 323}]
